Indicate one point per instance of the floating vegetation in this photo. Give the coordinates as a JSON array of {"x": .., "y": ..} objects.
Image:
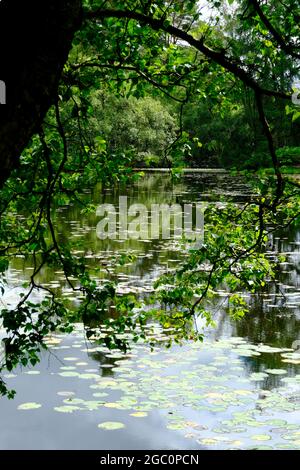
[
  {"x": 276, "y": 371},
  {"x": 139, "y": 414},
  {"x": 100, "y": 394},
  {"x": 65, "y": 394},
  {"x": 225, "y": 394},
  {"x": 232, "y": 393},
  {"x": 69, "y": 374},
  {"x": 258, "y": 376},
  {"x": 261, "y": 437},
  {"x": 88, "y": 376},
  {"x": 231, "y": 406},
  {"x": 29, "y": 406},
  {"x": 111, "y": 425},
  {"x": 66, "y": 409}
]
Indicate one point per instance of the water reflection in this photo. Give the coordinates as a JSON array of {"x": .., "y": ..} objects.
[
  {"x": 274, "y": 317},
  {"x": 232, "y": 392}
]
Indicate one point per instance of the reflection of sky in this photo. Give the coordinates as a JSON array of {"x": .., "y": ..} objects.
[
  {"x": 193, "y": 377},
  {"x": 209, "y": 13},
  {"x": 216, "y": 367}
]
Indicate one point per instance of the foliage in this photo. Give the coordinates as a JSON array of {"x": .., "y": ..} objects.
[
  {"x": 228, "y": 79},
  {"x": 233, "y": 257},
  {"x": 140, "y": 128}
]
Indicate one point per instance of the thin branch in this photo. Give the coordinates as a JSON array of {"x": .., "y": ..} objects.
[
  {"x": 219, "y": 58},
  {"x": 286, "y": 47},
  {"x": 268, "y": 134}
]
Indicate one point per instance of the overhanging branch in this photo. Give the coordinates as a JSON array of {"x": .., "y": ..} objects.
[
  {"x": 219, "y": 58},
  {"x": 286, "y": 47}
]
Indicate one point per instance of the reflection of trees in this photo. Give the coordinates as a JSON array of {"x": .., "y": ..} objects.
[
  {"x": 278, "y": 325},
  {"x": 275, "y": 326},
  {"x": 103, "y": 359}
]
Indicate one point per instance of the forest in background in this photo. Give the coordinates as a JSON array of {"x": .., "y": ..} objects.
[{"x": 211, "y": 119}]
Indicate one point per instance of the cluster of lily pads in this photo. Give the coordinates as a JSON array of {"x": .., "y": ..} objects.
[{"x": 217, "y": 394}]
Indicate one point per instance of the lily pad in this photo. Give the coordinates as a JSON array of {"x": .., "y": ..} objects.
[
  {"x": 111, "y": 425},
  {"x": 139, "y": 414},
  {"x": 261, "y": 437},
  {"x": 29, "y": 406},
  {"x": 68, "y": 374},
  {"x": 67, "y": 409},
  {"x": 208, "y": 441},
  {"x": 66, "y": 394},
  {"x": 276, "y": 371},
  {"x": 88, "y": 376}
]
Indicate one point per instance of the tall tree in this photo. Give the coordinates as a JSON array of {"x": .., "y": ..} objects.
[{"x": 35, "y": 39}]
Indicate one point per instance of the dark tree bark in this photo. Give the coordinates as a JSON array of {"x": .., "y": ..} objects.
[{"x": 35, "y": 39}]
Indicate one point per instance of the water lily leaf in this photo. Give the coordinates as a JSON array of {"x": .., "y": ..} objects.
[
  {"x": 175, "y": 426},
  {"x": 286, "y": 446},
  {"x": 208, "y": 441},
  {"x": 113, "y": 405},
  {"x": 246, "y": 352},
  {"x": 243, "y": 392},
  {"x": 100, "y": 394},
  {"x": 261, "y": 448},
  {"x": 93, "y": 405},
  {"x": 258, "y": 376},
  {"x": 269, "y": 350},
  {"x": 276, "y": 422},
  {"x": 66, "y": 409},
  {"x": 276, "y": 371},
  {"x": 29, "y": 406},
  {"x": 111, "y": 425},
  {"x": 65, "y": 394},
  {"x": 73, "y": 401},
  {"x": 261, "y": 437},
  {"x": 68, "y": 374},
  {"x": 88, "y": 376}
]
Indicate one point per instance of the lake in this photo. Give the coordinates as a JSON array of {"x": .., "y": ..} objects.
[{"x": 239, "y": 389}]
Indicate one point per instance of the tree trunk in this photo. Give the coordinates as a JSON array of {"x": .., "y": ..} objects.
[{"x": 35, "y": 39}]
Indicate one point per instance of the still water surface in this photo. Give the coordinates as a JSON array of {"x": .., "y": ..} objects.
[{"x": 240, "y": 389}]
